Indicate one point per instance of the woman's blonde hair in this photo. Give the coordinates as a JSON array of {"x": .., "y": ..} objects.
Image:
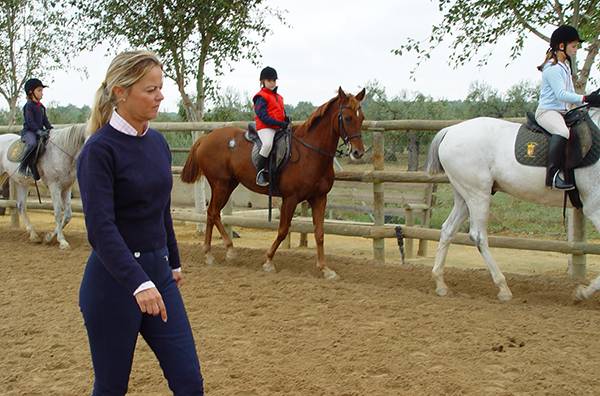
[{"x": 126, "y": 69}]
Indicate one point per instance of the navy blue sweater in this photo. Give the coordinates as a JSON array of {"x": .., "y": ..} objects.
[
  {"x": 125, "y": 184},
  {"x": 34, "y": 117}
]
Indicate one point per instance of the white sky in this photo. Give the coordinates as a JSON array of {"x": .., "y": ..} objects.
[{"x": 332, "y": 43}]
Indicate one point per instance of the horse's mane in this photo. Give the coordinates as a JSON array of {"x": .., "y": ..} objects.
[
  {"x": 70, "y": 139},
  {"x": 319, "y": 113}
]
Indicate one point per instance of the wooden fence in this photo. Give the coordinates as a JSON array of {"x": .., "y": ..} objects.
[{"x": 378, "y": 230}]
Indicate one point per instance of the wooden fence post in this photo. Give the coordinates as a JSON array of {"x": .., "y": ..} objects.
[
  {"x": 409, "y": 220},
  {"x": 429, "y": 201},
  {"x": 199, "y": 191},
  {"x": 378, "y": 198},
  {"x": 576, "y": 233}
]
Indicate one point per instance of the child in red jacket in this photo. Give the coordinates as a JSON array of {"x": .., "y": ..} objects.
[{"x": 270, "y": 117}]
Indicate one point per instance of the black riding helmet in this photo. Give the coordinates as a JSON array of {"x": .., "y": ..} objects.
[
  {"x": 268, "y": 73},
  {"x": 32, "y": 84},
  {"x": 564, "y": 34}
]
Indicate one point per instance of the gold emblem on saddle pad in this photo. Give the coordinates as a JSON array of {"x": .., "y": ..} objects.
[
  {"x": 16, "y": 151},
  {"x": 531, "y": 149}
]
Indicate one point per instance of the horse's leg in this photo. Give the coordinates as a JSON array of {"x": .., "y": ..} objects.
[
  {"x": 22, "y": 191},
  {"x": 457, "y": 216},
  {"x": 220, "y": 192},
  {"x": 318, "y": 214},
  {"x": 68, "y": 211},
  {"x": 224, "y": 194},
  {"x": 585, "y": 292},
  {"x": 288, "y": 205},
  {"x": 479, "y": 211},
  {"x": 57, "y": 204}
]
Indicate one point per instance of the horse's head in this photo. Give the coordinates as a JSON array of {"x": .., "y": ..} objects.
[{"x": 349, "y": 122}]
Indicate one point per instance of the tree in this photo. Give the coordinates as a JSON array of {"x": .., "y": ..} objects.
[
  {"x": 190, "y": 36},
  {"x": 474, "y": 25},
  {"x": 34, "y": 40}
]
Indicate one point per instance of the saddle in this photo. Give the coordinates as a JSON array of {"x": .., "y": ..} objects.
[
  {"x": 280, "y": 153},
  {"x": 17, "y": 151},
  {"x": 583, "y": 147}
]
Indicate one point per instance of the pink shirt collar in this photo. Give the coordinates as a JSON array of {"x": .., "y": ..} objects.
[{"x": 119, "y": 123}]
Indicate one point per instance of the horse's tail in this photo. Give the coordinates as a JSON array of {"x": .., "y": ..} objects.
[
  {"x": 433, "y": 164},
  {"x": 191, "y": 170}
]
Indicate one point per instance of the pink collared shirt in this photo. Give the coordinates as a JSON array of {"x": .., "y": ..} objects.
[{"x": 121, "y": 125}]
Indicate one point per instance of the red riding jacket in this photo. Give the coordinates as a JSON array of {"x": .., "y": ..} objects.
[{"x": 274, "y": 111}]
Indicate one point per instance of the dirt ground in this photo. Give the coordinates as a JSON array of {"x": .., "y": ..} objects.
[{"x": 380, "y": 330}]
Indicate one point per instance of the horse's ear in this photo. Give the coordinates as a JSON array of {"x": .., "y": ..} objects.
[
  {"x": 341, "y": 93},
  {"x": 361, "y": 95}
]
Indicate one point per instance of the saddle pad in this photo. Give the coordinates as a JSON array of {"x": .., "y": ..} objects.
[
  {"x": 531, "y": 148},
  {"x": 281, "y": 148},
  {"x": 16, "y": 151}
]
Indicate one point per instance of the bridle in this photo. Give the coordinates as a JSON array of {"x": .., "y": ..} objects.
[{"x": 346, "y": 137}]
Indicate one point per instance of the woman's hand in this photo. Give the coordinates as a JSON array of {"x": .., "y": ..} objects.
[
  {"x": 151, "y": 302},
  {"x": 178, "y": 276}
]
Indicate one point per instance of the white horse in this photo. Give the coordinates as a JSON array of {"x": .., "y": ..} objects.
[
  {"x": 57, "y": 170},
  {"x": 478, "y": 158}
]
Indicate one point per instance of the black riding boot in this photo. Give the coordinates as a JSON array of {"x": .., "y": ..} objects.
[
  {"x": 556, "y": 160},
  {"x": 24, "y": 167},
  {"x": 262, "y": 177},
  {"x": 33, "y": 167}
]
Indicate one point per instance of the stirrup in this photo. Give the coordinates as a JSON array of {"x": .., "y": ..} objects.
[
  {"x": 259, "y": 179},
  {"x": 560, "y": 184}
]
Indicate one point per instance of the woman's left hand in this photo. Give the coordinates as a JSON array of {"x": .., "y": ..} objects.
[{"x": 178, "y": 276}]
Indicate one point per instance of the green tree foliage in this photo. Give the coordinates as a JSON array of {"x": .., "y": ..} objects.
[
  {"x": 196, "y": 40},
  {"x": 34, "y": 40},
  {"x": 475, "y": 26}
]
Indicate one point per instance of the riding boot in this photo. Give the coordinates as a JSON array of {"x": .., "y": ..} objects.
[
  {"x": 262, "y": 177},
  {"x": 556, "y": 160},
  {"x": 33, "y": 167},
  {"x": 24, "y": 167}
]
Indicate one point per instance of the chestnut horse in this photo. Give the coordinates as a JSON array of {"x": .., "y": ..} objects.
[{"x": 223, "y": 157}]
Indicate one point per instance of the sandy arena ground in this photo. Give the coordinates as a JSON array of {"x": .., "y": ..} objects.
[{"x": 380, "y": 330}]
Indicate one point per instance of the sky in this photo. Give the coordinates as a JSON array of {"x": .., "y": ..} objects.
[{"x": 331, "y": 43}]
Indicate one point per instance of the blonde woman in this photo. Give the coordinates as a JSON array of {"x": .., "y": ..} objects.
[{"x": 130, "y": 283}]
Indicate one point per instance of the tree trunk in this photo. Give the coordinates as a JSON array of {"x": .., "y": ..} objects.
[
  {"x": 413, "y": 151},
  {"x": 12, "y": 111}
]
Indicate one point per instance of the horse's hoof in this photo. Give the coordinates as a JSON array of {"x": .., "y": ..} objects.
[
  {"x": 441, "y": 291},
  {"x": 35, "y": 238},
  {"x": 230, "y": 255},
  {"x": 505, "y": 296},
  {"x": 580, "y": 293},
  {"x": 330, "y": 274},
  {"x": 48, "y": 238},
  {"x": 268, "y": 266},
  {"x": 210, "y": 259}
]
